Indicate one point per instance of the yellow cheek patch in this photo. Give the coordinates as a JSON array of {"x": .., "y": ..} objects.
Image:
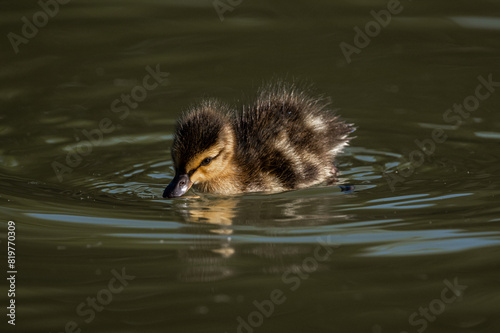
[{"x": 198, "y": 176}]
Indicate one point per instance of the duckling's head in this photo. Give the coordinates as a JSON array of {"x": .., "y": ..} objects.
[{"x": 203, "y": 147}]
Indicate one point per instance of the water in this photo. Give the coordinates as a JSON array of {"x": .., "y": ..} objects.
[{"x": 415, "y": 248}]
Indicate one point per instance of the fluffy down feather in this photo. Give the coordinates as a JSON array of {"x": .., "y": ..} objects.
[{"x": 286, "y": 140}]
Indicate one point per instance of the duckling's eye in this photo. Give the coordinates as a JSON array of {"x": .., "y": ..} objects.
[{"x": 206, "y": 161}]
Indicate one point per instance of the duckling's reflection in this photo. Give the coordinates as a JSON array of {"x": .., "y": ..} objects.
[{"x": 213, "y": 255}]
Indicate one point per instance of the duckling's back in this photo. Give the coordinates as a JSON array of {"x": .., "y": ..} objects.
[{"x": 287, "y": 140}]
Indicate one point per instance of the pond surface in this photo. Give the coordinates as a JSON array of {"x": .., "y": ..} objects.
[{"x": 414, "y": 248}]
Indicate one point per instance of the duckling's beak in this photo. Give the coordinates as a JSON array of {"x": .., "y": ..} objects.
[{"x": 178, "y": 186}]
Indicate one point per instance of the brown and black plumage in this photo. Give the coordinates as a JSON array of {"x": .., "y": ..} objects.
[{"x": 286, "y": 140}]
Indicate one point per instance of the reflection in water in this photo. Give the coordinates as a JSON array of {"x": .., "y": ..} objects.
[
  {"x": 210, "y": 254},
  {"x": 207, "y": 256}
]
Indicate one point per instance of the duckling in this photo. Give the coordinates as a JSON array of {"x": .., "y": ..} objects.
[{"x": 286, "y": 140}]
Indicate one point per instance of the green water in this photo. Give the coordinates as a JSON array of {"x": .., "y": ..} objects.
[{"x": 97, "y": 249}]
